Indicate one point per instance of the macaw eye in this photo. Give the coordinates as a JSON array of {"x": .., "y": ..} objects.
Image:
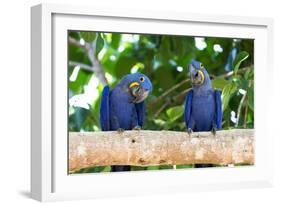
[
  {"x": 201, "y": 65},
  {"x": 142, "y": 79}
]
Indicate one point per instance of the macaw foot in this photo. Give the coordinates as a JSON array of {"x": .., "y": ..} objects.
[
  {"x": 138, "y": 128},
  {"x": 189, "y": 131},
  {"x": 120, "y": 130},
  {"x": 214, "y": 131}
]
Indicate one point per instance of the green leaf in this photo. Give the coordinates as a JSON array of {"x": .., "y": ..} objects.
[
  {"x": 159, "y": 122},
  {"x": 161, "y": 167},
  {"x": 106, "y": 169},
  {"x": 76, "y": 54},
  {"x": 79, "y": 116},
  {"x": 175, "y": 112},
  {"x": 165, "y": 49},
  {"x": 108, "y": 65},
  {"x": 185, "y": 166},
  {"x": 94, "y": 169},
  {"x": 165, "y": 79},
  {"x": 99, "y": 44},
  {"x": 82, "y": 79},
  {"x": 115, "y": 40},
  {"x": 239, "y": 59},
  {"x": 251, "y": 98},
  {"x": 124, "y": 65},
  {"x": 152, "y": 168},
  {"x": 137, "y": 168},
  {"x": 88, "y": 36},
  {"x": 227, "y": 92},
  {"x": 219, "y": 83},
  {"x": 238, "y": 81},
  {"x": 249, "y": 74}
]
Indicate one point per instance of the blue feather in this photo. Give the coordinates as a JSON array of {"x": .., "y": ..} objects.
[
  {"x": 203, "y": 111},
  {"x": 140, "y": 109},
  {"x": 218, "y": 109},
  {"x": 122, "y": 111},
  {"x": 104, "y": 109},
  {"x": 187, "y": 111}
]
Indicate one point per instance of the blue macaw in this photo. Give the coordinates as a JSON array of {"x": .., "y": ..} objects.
[
  {"x": 123, "y": 108},
  {"x": 203, "y": 107}
]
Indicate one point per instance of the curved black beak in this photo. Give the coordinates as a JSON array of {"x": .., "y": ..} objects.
[
  {"x": 196, "y": 76},
  {"x": 139, "y": 93}
]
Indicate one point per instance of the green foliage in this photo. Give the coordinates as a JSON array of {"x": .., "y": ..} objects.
[
  {"x": 94, "y": 169},
  {"x": 239, "y": 59},
  {"x": 88, "y": 36},
  {"x": 227, "y": 93},
  {"x": 175, "y": 112},
  {"x": 99, "y": 44},
  {"x": 219, "y": 83},
  {"x": 164, "y": 59}
]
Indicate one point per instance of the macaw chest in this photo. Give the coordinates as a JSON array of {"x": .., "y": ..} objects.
[
  {"x": 203, "y": 112},
  {"x": 122, "y": 114}
]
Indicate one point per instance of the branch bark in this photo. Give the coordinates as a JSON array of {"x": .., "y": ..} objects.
[
  {"x": 169, "y": 91},
  {"x": 96, "y": 67},
  {"x": 81, "y": 65},
  {"x": 147, "y": 147}
]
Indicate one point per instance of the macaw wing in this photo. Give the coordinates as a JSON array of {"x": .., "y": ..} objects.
[
  {"x": 218, "y": 115},
  {"x": 104, "y": 109},
  {"x": 140, "y": 108},
  {"x": 187, "y": 108}
]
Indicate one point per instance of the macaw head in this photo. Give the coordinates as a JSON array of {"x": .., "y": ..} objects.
[
  {"x": 139, "y": 86},
  {"x": 198, "y": 74}
]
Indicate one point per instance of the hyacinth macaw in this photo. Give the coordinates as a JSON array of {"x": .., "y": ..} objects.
[
  {"x": 123, "y": 108},
  {"x": 203, "y": 107}
]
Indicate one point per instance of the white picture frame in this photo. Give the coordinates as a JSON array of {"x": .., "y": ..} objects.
[{"x": 49, "y": 176}]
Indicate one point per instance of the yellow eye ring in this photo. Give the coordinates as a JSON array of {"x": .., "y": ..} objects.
[
  {"x": 201, "y": 65},
  {"x": 142, "y": 79}
]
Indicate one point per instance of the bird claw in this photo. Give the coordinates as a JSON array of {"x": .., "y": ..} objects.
[
  {"x": 120, "y": 130},
  {"x": 214, "y": 131},
  {"x": 189, "y": 131},
  {"x": 138, "y": 128}
]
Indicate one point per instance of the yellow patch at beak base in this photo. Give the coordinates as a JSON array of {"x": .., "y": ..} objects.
[{"x": 134, "y": 84}]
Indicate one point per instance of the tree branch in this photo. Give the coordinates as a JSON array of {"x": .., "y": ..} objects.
[
  {"x": 77, "y": 43},
  {"x": 160, "y": 147},
  {"x": 246, "y": 113},
  {"x": 83, "y": 66},
  {"x": 239, "y": 72},
  {"x": 169, "y": 91},
  {"x": 161, "y": 108},
  {"x": 240, "y": 108},
  {"x": 158, "y": 99},
  {"x": 90, "y": 49}
]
